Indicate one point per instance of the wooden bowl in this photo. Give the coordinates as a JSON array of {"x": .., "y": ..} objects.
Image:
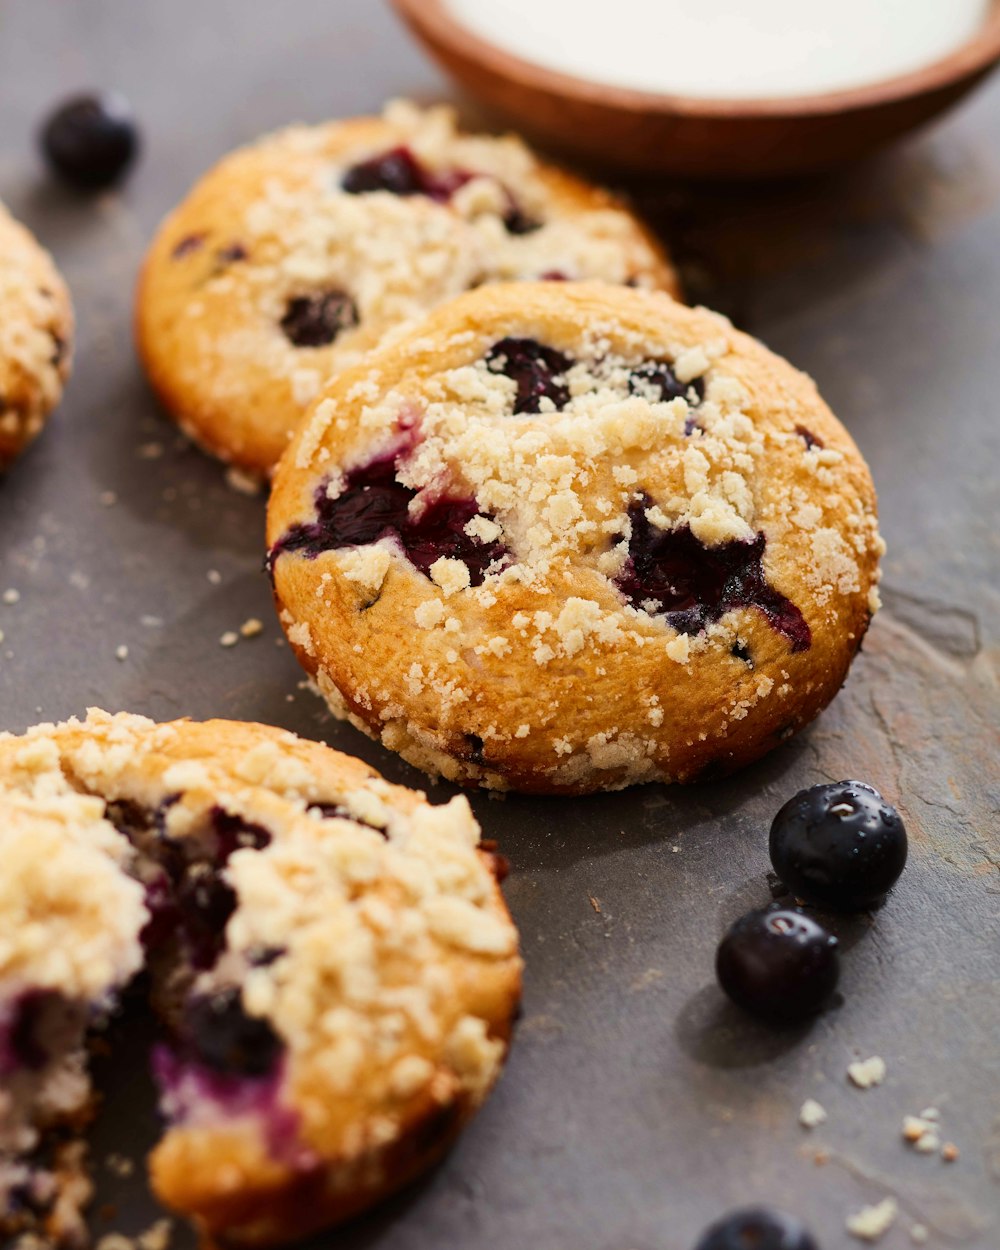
[{"x": 647, "y": 132}]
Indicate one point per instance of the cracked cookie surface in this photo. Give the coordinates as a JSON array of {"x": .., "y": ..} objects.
[
  {"x": 330, "y": 954},
  {"x": 298, "y": 253},
  {"x": 569, "y": 537},
  {"x": 36, "y": 337}
]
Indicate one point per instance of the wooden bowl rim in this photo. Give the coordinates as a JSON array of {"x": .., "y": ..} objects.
[{"x": 434, "y": 20}]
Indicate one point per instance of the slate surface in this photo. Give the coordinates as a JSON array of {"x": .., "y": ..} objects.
[{"x": 636, "y": 1106}]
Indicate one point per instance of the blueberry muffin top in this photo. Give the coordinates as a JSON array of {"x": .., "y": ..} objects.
[
  {"x": 568, "y": 537},
  {"x": 298, "y": 253}
]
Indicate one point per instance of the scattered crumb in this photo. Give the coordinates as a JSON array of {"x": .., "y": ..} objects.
[
  {"x": 121, "y": 652},
  {"x": 214, "y": 576},
  {"x": 229, "y": 639},
  {"x": 241, "y": 482},
  {"x": 866, "y": 1073},
  {"x": 151, "y": 622},
  {"x": 107, "y": 498},
  {"x": 811, "y": 1113},
  {"x": 675, "y": 849},
  {"x": 150, "y": 451},
  {"x": 922, "y": 1134},
  {"x": 11, "y": 596},
  {"x": 1, "y": 635},
  {"x": 120, "y": 1165},
  {"x": 252, "y": 627},
  {"x": 871, "y": 1223},
  {"x": 919, "y": 1234},
  {"x": 821, "y": 1158},
  {"x": 949, "y": 1152},
  {"x": 595, "y": 903},
  {"x": 930, "y": 1113}
]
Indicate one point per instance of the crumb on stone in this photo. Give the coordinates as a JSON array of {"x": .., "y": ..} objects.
[
  {"x": 871, "y": 1223},
  {"x": 866, "y": 1073},
  {"x": 811, "y": 1113},
  {"x": 229, "y": 639}
]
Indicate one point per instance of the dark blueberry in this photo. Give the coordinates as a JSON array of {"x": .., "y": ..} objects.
[
  {"x": 537, "y": 370},
  {"x": 337, "y": 810},
  {"x": 225, "y": 1038},
  {"x": 375, "y": 505},
  {"x": 811, "y": 440},
  {"x": 32, "y": 1036},
  {"x": 163, "y": 914},
  {"x": 233, "y": 833},
  {"x": 692, "y": 585},
  {"x": 757, "y": 1228},
  {"x": 657, "y": 377},
  {"x": 839, "y": 845},
  {"x": 474, "y": 745},
  {"x": 316, "y": 320},
  {"x": 91, "y": 140},
  {"x": 778, "y": 964},
  {"x": 205, "y": 902},
  {"x": 553, "y": 275},
  {"x": 399, "y": 172},
  {"x": 190, "y": 243},
  {"x": 128, "y": 817},
  {"x": 498, "y": 861},
  {"x": 517, "y": 221}
]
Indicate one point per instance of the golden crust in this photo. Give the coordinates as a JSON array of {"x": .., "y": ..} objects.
[
  {"x": 208, "y": 328},
  {"x": 543, "y": 678},
  {"x": 36, "y": 335},
  {"x": 394, "y": 990}
]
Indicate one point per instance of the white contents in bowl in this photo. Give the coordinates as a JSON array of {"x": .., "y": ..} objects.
[{"x": 727, "y": 49}]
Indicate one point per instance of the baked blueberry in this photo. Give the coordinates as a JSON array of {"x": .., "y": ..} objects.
[
  {"x": 778, "y": 964},
  {"x": 375, "y": 505},
  {"x": 757, "y": 1228},
  {"x": 225, "y": 1038},
  {"x": 316, "y": 320},
  {"x": 693, "y": 585},
  {"x": 400, "y": 173},
  {"x": 839, "y": 845},
  {"x": 656, "y": 379},
  {"x": 538, "y": 371},
  {"x": 91, "y": 140}
]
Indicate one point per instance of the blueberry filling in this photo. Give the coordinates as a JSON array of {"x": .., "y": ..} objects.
[
  {"x": 810, "y": 439},
  {"x": 692, "y": 585},
  {"x": 537, "y": 370},
  {"x": 28, "y": 1035},
  {"x": 374, "y": 505},
  {"x": 223, "y": 1037},
  {"x": 231, "y": 253},
  {"x": 317, "y": 320},
  {"x": 400, "y": 173}
]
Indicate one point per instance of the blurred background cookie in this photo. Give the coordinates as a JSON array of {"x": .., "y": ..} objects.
[
  {"x": 298, "y": 253},
  {"x": 566, "y": 537},
  {"x": 36, "y": 337}
]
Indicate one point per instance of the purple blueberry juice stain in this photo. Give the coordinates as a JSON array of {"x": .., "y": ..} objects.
[
  {"x": 537, "y": 371},
  {"x": 186, "y": 246},
  {"x": 318, "y": 320},
  {"x": 374, "y": 505},
  {"x": 693, "y": 585}
]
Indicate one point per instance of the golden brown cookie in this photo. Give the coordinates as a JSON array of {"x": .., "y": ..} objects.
[
  {"x": 331, "y": 955},
  {"x": 36, "y": 337},
  {"x": 296, "y": 255},
  {"x": 567, "y": 537}
]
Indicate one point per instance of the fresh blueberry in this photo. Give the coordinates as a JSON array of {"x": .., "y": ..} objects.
[
  {"x": 226, "y": 1039},
  {"x": 839, "y": 845},
  {"x": 778, "y": 964},
  {"x": 692, "y": 585},
  {"x": 537, "y": 370},
  {"x": 757, "y": 1228},
  {"x": 91, "y": 140},
  {"x": 316, "y": 320}
]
